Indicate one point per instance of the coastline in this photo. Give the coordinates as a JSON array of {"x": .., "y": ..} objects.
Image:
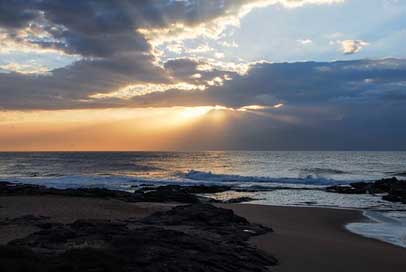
[
  {"x": 316, "y": 239},
  {"x": 309, "y": 239}
]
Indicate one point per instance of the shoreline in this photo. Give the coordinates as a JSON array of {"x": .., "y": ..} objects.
[
  {"x": 206, "y": 194},
  {"x": 380, "y": 227},
  {"x": 309, "y": 238},
  {"x": 316, "y": 239},
  {"x": 286, "y": 238}
]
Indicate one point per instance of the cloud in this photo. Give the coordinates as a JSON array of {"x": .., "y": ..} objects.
[
  {"x": 71, "y": 86},
  {"x": 213, "y": 18},
  {"x": 305, "y": 41},
  {"x": 104, "y": 28},
  {"x": 131, "y": 91},
  {"x": 352, "y": 46},
  {"x": 183, "y": 82},
  {"x": 122, "y": 65},
  {"x": 112, "y": 40},
  {"x": 345, "y": 84},
  {"x": 27, "y": 68}
]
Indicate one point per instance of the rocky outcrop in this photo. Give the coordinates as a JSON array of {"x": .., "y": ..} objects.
[
  {"x": 32, "y": 220},
  {"x": 394, "y": 190},
  {"x": 197, "y": 237},
  {"x": 210, "y": 219},
  {"x": 239, "y": 200},
  {"x": 170, "y": 193}
]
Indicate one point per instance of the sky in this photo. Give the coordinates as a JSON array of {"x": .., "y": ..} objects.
[{"x": 202, "y": 75}]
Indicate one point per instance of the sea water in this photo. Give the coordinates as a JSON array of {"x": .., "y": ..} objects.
[{"x": 292, "y": 178}]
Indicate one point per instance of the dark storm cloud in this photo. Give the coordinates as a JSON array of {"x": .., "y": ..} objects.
[
  {"x": 352, "y": 104},
  {"x": 186, "y": 70},
  {"x": 338, "y": 105},
  {"x": 101, "y": 28},
  {"x": 104, "y": 33},
  {"x": 300, "y": 84},
  {"x": 16, "y": 13},
  {"x": 69, "y": 87},
  {"x": 114, "y": 54}
]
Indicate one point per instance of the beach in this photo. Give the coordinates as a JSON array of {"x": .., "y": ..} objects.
[
  {"x": 305, "y": 239},
  {"x": 202, "y": 136},
  {"x": 315, "y": 239}
]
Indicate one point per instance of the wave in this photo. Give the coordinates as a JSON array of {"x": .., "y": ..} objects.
[
  {"x": 211, "y": 177},
  {"x": 99, "y": 181},
  {"x": 329, "y": 171},
  {"x": 383, "y": 226},
  {"x": 191, "y": 177}
]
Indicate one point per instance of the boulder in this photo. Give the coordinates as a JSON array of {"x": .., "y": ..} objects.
[
  {"x": 394, "y": 189},
  {"x": 153, "y": 244}
]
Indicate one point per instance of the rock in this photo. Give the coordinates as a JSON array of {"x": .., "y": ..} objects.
[
  {"x": 394, "y": 189},
  {"x": 196, "y": 215},
  {"x": 239, "y": 200},
  {"x": 393, "y": 198},
  {"x": 360, "y": 185},
  {"x": 101, "y": 245},
  {"x": 202, "y": 189},
  {"x": 31, "y": 220},
  {"x": 384, "y": 185},
  {"x": 9, "y": 189},
  {"x": 170, "y": 193},
  {"x": 346, "y": 190},
  {"x": 209, "y": 218}
]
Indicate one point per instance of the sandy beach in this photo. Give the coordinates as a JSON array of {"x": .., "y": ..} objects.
[
  {"x": 304, "y": 239},
  {"x": 315, "y": 239},
  {"x": 202, "y": 136}
]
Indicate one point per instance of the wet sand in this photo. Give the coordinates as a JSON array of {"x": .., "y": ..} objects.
[
  {"x": 304, "y": 239},
  {"x": 315, "y": 239}
]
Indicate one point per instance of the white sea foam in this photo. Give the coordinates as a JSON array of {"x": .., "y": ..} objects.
[
  {"x": 292, "y": 178},
  {"x": 109, "y": 182},
  {"x": 308, "y": 180},
  {"x": 389, "y": 227}
]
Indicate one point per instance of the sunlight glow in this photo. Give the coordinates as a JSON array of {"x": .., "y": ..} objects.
[
  {"x": 252, "y": 107},
  {"x": 194, "y": 112},
  {"x": 127, "y": 128},
  {"x": 134, "y": 90}
]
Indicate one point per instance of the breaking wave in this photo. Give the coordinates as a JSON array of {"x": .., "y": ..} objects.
[
  {"x": 218, "y": 178},
  {"x": 321, "y": 171},
  {"x": 191, "y": 177}
]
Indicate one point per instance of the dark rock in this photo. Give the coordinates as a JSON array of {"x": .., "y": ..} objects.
[
  {"x": 202, "y": 189},
  {"x": 100, "y": 245},
  {"x": 209, "y": 218},
  {"x": 32, "y": 220},
  {"x": 401, "y": 174},
  {"x": 170, "y": 193},
  {"x": 199, "y": 214},
  {"x": 239, "y": 200},
  {"x": 384, "y": 185},
  {"x": 177, "y": 193},
  {"x": 360, "y": 185},
  {"x": 12, "y": 189},
  {"x": 394, "y": 198},
  {"x": 394, "y": 189},
  {"x": 346, "y": 190}
]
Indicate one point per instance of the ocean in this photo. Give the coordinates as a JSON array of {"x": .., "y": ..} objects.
[
  {"x": 291, "y": 178},
  {"x": 241, "y": 168}
]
